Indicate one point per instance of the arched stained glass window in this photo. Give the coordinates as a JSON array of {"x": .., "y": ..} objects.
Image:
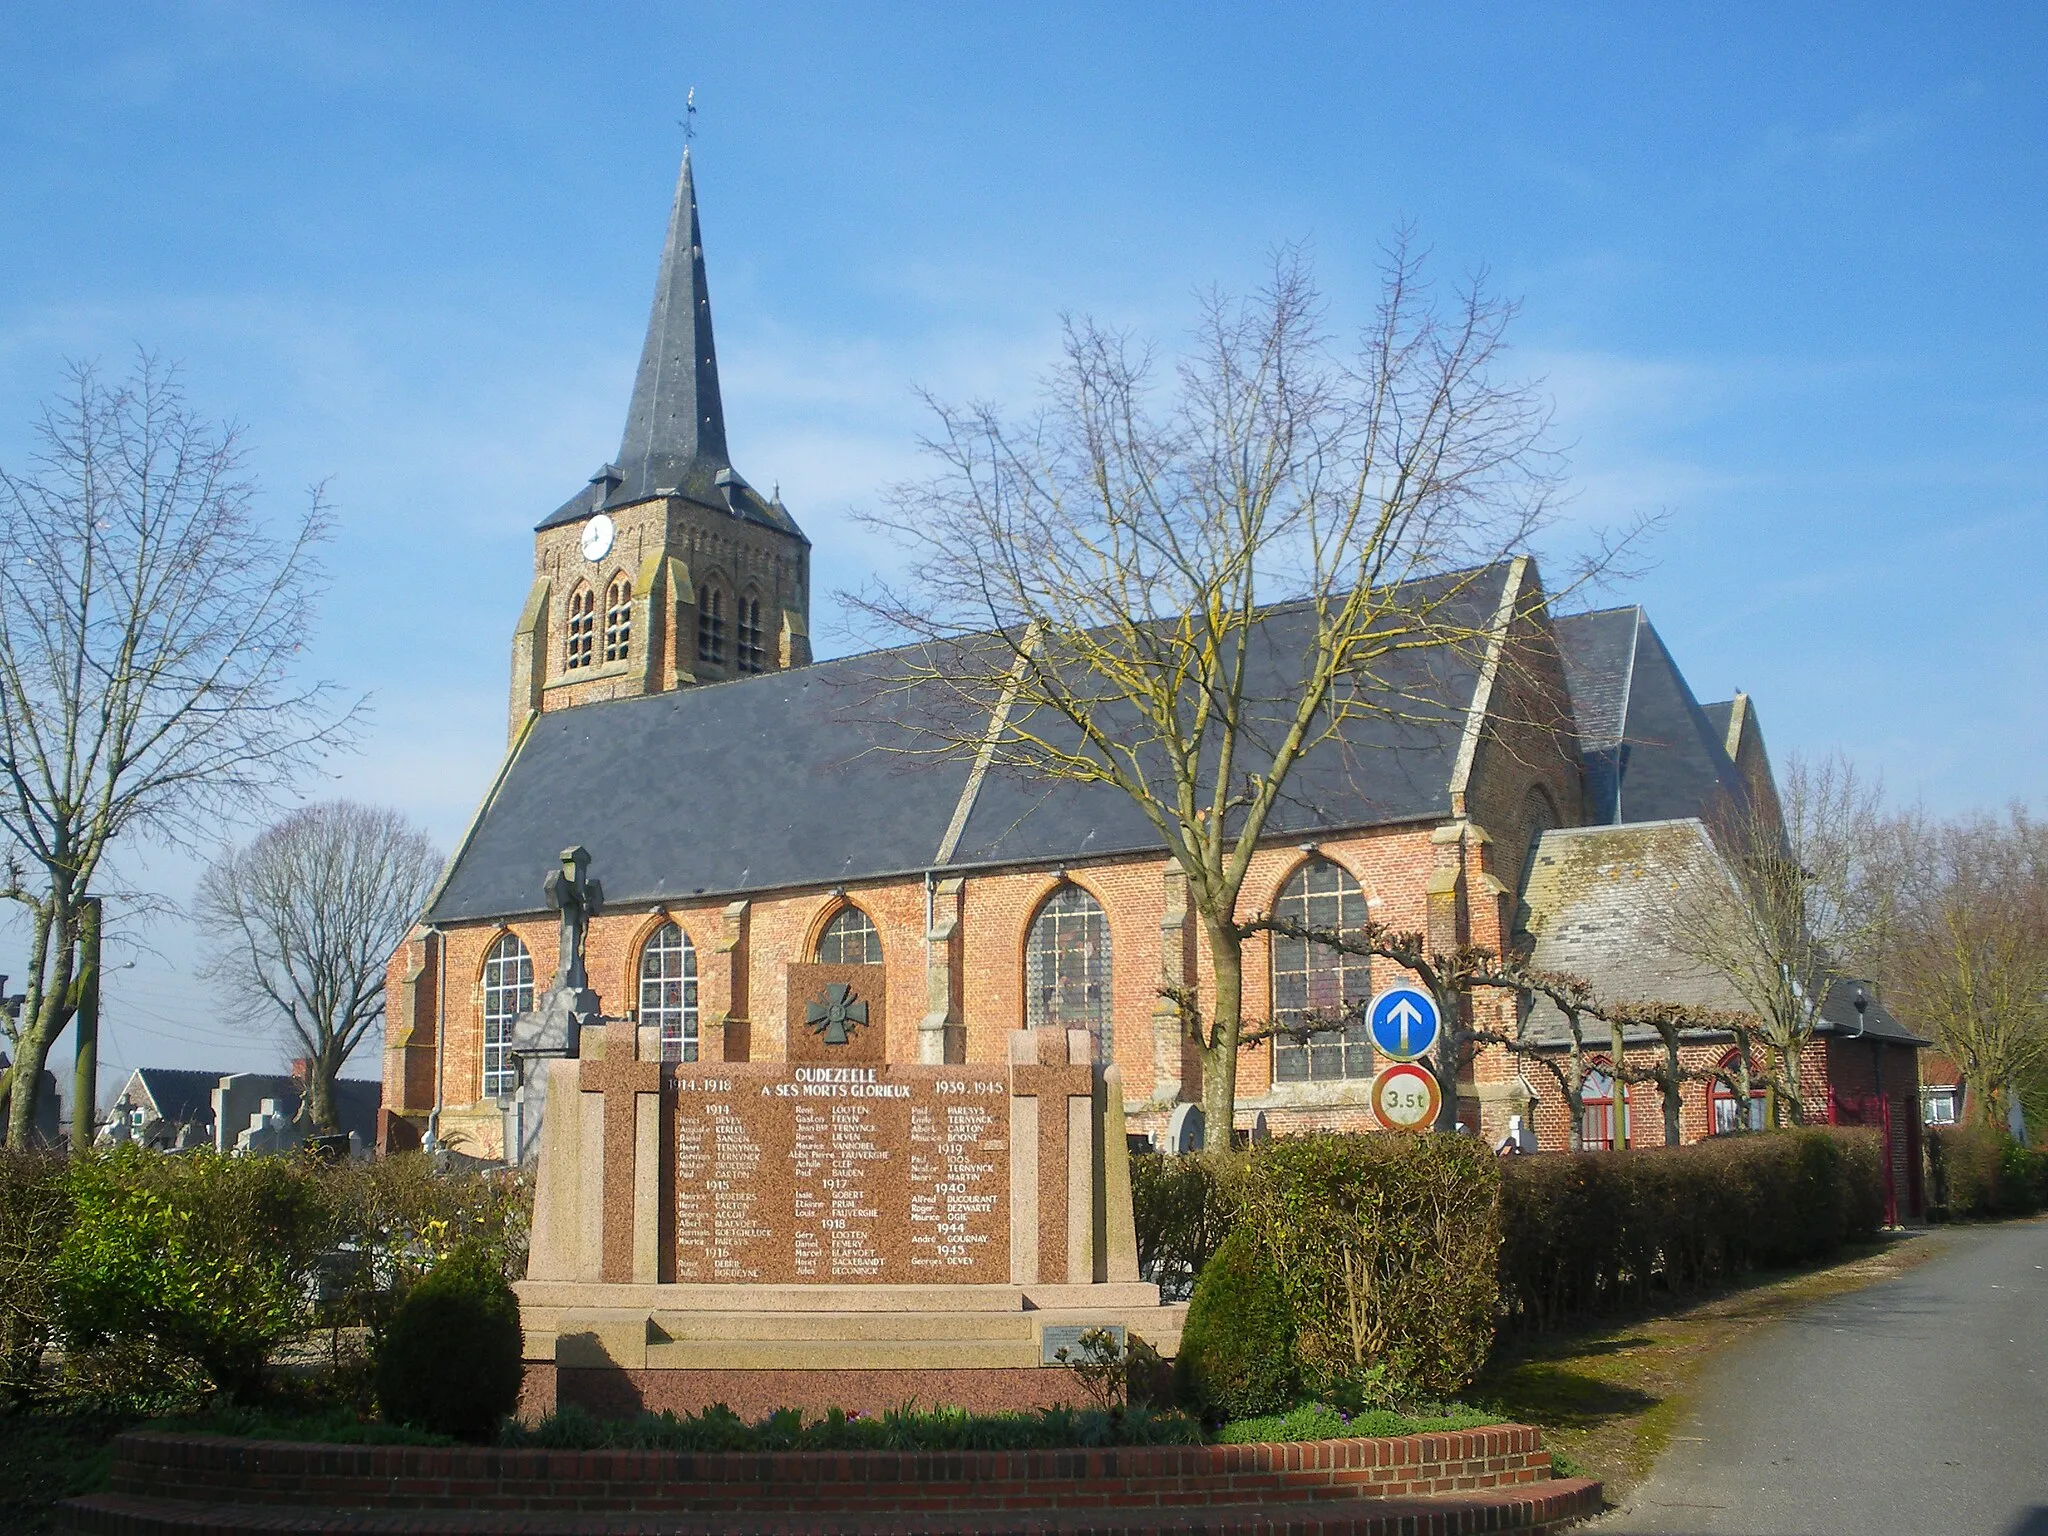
[
  {"x": 1066, "y": 966},
  {"x": 668, "y": 991},
  {"x": 1311, "y": 979},
  {"x": 618, "y": 618},
  {"x": 850, "y": 939},
  {"x": 711, "y": 626},
  {"x": 508, "y": 992},
  {"x": 582, "y": 628}
]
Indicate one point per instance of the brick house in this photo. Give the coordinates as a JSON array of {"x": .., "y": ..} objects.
[{"x": 753, "y": 814}]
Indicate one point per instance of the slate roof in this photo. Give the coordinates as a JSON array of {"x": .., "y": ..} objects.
[
  {"x": 1651, "y": 753},
  {"x": 812, "y": 777},
  {"x": 675, "y": 426},
  {"x": 1594, "y": 901},
  {"x": 181, "y": 1096}
]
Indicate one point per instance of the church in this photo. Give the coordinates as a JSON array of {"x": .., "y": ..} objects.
[{"x": 757, "y": 841}]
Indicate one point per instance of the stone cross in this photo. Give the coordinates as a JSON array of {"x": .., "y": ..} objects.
[
  {"x": 579, "y": 898},
  {"x": 622, "y": 1078},
  {"x": 1052, "y": 1084}
]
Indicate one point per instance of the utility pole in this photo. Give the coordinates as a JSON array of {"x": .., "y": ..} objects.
[{"x": 85, "y": 1082}]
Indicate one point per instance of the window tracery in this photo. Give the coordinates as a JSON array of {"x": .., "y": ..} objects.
[
  {"x": 508, "y": 992},
  {"x": 1312, "y": 980},
  {"x": 711, "y": 627},
  {"x": 753, "y": 655},
  {"x": 668, "y": 991},
  {"x": 1067, "y": 966},
  {"x": 850, "y": 939},
  {"x": 582, "y": 637}
]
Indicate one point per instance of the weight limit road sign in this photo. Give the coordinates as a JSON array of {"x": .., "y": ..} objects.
[
  {"x": 1403, "y": 1022},
  {"x": 1406, "y": 1097}
]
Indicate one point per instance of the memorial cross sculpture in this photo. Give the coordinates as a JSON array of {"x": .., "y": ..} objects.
[
  {"x": 579, "y": 898},
  {"x": 1052, "y": 1084}
]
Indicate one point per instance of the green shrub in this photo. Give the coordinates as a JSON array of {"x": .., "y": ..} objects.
[
  {"x": 2020, "y": 1176},
  {"x": 404, "y": 1216},
  {"x": 1183, "y": 1207},
  {"x": 1966, "y": 1163},
  {"x": 1586, "y": 1232},
  {"x": 1387, "y": 1250},
  {"x": 718, "y": 1428},
  {"x": 1237, "y": 1346},
  {"x": 450, "y": 1359},
  {"x": 198, "y": 1258},
  {"x": 35, "y": 1208}
]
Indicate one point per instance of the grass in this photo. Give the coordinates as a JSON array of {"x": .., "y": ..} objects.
[
  {"x": 1319, "y": 1421},
  {"x": 47, "y": 1457},
  {"x": 1609, "y": 1395}
]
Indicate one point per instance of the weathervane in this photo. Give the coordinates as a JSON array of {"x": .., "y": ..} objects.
[{"x": 689, "y": 119}]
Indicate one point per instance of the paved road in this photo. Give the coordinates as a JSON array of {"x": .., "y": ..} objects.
[{"x": 1918, "y": 1405}]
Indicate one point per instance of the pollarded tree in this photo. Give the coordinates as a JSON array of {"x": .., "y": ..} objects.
[
  {"x": 302, "y": 921},
  {"x": 1795, "y": 906},
  {"x": 151, "y": 634},
  {"x": 1088, "y": 583}
]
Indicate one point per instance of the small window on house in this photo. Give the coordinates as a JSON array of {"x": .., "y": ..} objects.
[
  {"x": 1597, "y": 1095},
  {"x": 850, "y": 939},
  {"x": 668, "y": 991},
  {"x": 711, "y": 627},
  {"x": 618, "y": 619},
  {"x": 753, "y": 656},
  {"x": 1726, "y": 1103},
  {"x": 1313, "y": 980},
  {"x": 508, "y": 992},
  {"x": 582, "y": 628},
  {"x": 1938, "y": 1106},
  {"x": 1066, "y": 967}
]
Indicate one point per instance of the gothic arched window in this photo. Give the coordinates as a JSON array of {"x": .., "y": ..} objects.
[
  {"x": 1066, "y": 966},
  {"x": 508, "y": 992},
  {"x": 618, "y": 618},
  {"x": 850, "y": 939},
  {"x": 753, "y": 656},
  {"x": 711, "y": 626},
  {"x": 582, "y": 627},
  {"x": 1314, "y": 979},
  {"x": 668, "y": 991}
]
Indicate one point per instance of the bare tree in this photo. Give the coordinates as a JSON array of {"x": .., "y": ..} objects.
[
  {"x": 1088, "y": 584},
  {"x": 303, "y": 920},
  {"x": 151, "y": 628},
  {"x": 1966, "y": 951},
  {"x": 1795, "y": 908}
]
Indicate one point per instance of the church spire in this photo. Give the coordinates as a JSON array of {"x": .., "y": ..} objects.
[{"x": 676, "y": 421}]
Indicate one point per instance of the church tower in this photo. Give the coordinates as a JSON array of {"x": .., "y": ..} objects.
[{"x": 668, "y": 569}]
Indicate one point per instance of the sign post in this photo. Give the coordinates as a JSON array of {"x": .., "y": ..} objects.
[
  {"x": 1405, "y": 1097},
  {"x": 1404, "y": 1023}
]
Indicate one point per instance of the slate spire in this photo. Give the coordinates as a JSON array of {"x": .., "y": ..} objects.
[{"x": 676, "y": 419}]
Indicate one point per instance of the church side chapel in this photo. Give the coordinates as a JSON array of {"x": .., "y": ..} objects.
[{"x": 748, "y": 861}]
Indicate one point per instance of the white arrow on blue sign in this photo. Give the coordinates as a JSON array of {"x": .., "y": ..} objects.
[{"x": 1404, "y": 1023}]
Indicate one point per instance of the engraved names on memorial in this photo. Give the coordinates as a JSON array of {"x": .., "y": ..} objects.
[{"x": 890, "y": 1174}]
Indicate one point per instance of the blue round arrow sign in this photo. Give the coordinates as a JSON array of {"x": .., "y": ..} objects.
[{"x": 1404, "y": 1023}]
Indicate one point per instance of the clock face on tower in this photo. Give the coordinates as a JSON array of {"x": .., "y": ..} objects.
[{"x": 597, "y": 537}]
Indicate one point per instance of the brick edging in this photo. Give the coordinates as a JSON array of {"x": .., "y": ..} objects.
[{"x": 209, "y": 1469}]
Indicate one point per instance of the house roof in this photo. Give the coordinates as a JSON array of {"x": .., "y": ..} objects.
[
  {"x": 1651, "y": 752},
  {"x": 1595, "y": 904},
  {"x": 820, "y": 775},
  {"x": 181, "y": 1096}
]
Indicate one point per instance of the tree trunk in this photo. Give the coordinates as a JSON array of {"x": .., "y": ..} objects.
[
  {"x": 1449, "y": 1047},
  {"x": 1673, "y": 1084},
  {"x": 1619, "y": 1049},
  {"x": 320, "y": 1074},
  {"x": 1226, "y": 1023}
]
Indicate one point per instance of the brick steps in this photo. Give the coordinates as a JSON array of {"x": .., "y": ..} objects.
[{"x": 1526, "y": 1510}]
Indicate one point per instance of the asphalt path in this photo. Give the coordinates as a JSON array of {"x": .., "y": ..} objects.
[{"x": 1918, "y": 1405}]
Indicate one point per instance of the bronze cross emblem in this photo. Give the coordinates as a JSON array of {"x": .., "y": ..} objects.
[{"x": 836, "y": 1013}]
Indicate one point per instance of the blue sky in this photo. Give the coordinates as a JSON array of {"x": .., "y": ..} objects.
[{"x": 1781, "y": 270}]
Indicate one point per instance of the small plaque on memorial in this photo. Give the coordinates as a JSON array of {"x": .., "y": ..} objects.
[{"x": 1067, "y": 1336}]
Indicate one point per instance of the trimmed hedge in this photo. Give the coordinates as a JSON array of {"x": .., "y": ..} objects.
[
  {"x": 1976, "y": 1171},
  {"x": 1236, "y": 1356},
  {"x": 1602, "y": 1229},
  {"x": 1451, "y": 1240},
  {"x": 449, "y": 1361}
]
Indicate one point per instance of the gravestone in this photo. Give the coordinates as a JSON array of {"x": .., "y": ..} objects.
[{"x": 834, "y": 1229}]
